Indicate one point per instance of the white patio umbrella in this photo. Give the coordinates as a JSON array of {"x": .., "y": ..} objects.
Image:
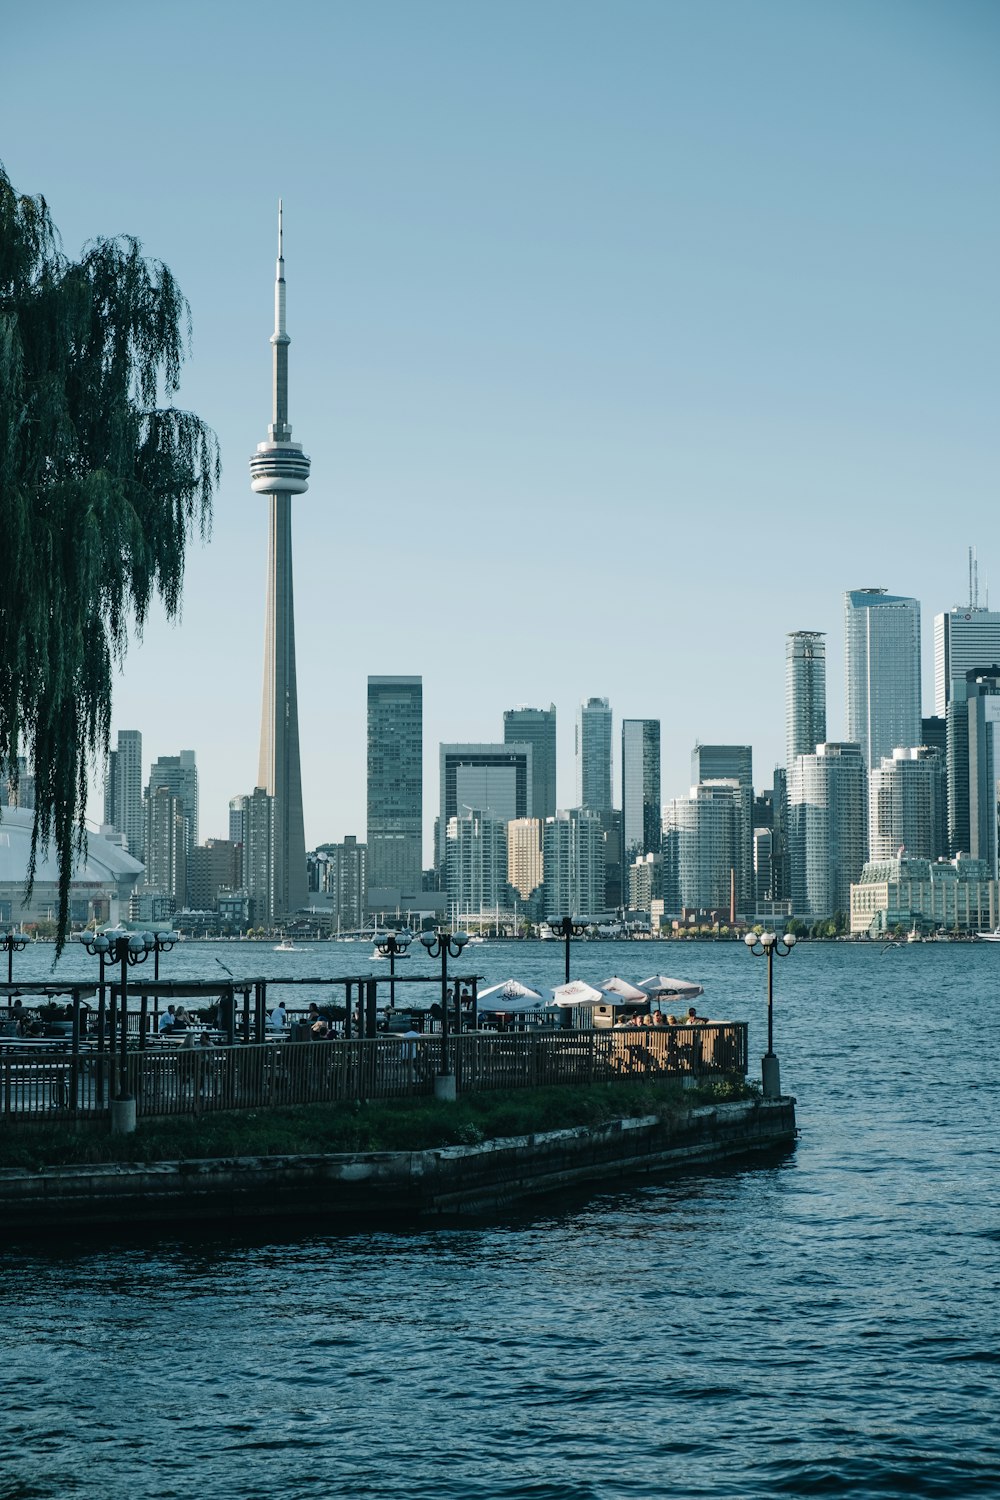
[
  {"x": 511, "y": 995},
  {"x": 577, "y": 992},
  {"x": 676, "y": 989},
  {"x": 621, "y": 989}
]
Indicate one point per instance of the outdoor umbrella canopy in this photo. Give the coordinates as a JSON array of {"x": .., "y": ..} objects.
[
  {"x": 681, "y": 989},
  {"x": 511, "y": 995},
  {"x": 576, "y": 993},
  {"x": 622, "y": 989}
]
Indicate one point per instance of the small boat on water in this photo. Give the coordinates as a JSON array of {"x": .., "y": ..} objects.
[
  {"x": 285, "y": 946},
  {"x": 989, "y": 937}
]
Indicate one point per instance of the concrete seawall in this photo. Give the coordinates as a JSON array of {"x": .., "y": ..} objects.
[{"x": 342, "y": 1189}]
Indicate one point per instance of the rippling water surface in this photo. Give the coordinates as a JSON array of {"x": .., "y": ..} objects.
[{"x": 824, "y": 1323}]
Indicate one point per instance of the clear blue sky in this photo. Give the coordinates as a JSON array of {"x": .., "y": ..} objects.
[{"x": 625, "y": 337}]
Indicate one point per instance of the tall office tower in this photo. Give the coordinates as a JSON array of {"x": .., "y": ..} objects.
[
  {"x": 476, "y": 864},
  {"x": 642, "y": 815},
  {"x": 781, "y": 874},
  {"x": 573, "y": 851},
  {"x": 129, "y": 818},
  {"x": 882, "y": 672},
  {"x": 908, "y": 805},
  {"x": 279, "y": 469},
  {"x": 395, "y": 783},
  {"x": 536, "y": 727},
  {"x": 180, "y": 774},
  {"x": 983, "y": 704},
  {"x": 237, "y": 818},
  {"x": 525, "y": 865},
  {"x": 258, "y": 863},
  {"x": 493, "y": 778},
  {"x": 827, "y": 828},
  {"x": 214, "y": 866},
  {"x": 732, "y": 763},
  {"x": 934, "y": 734},
  {"x": 346, "y": 882},
  {"x": 110, "y": 820},
  {"x": 702, "y": 835},
  {"x": 593, "y": 755},
  {"x": 959, "y": 719},
  {"x": 963, "y": 639},
  {"x": 805, "y": 692},
  {"x": 166, "y": 844}
]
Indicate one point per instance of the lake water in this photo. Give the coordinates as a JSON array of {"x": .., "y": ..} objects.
[{"x": 824, "y": 1323}]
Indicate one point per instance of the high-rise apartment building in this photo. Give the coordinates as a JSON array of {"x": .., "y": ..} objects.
[
  {"x": 805, "y": 692},
  {"x": 237, "y": 818},
  {"x": 702, "y": 839},
  {"x": 476, "y": 864},
  {"x": 710, "y": 763},
  {"x": 525, "y": 865},
  {"x": 180, "y": 774},
  {"x": 827, "y": 828},
  {"x": 344, "y": 882},
  {"x": 573, "y": 851},
  {"x": 166, "y": 844},
  {"x": 279, "y": 469},
  {"x": 123, "y": 806},
  {"x": 882, "y": 672},
  {"x": 536, "y": 727},
  {"x": 593, "y": 755},
  {"x": 642, "y": 814},
  {"x": 258, "y": 864},
  {"x": 395, "y": 783},
  {"x": 493, "y": 778},
  {"x": 908, "y": 806},
  {"x": 214, "y": 866}
]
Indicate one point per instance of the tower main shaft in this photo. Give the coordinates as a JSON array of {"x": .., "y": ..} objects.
[{"x": 280, "y": 469}]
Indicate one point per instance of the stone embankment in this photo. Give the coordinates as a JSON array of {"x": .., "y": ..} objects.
[{"x": 410, "y": 1185}]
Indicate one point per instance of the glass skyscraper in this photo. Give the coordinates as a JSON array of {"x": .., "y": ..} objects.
[
  {"x": 642, "y": 817},
  {"x": 395, "y": 782},
  {"x": 593, "y": 755},
  {"x": 882, "y": 672},
  {"x": 964, "y": 639},
  {"x": 805, "y": 693},
  {"x": 536, "y": 727}
]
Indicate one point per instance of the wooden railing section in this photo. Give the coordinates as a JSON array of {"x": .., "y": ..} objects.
[{"x": 184, "y": 1081}]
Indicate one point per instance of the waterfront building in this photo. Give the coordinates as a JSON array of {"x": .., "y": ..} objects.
[
  {"x": 805, "y": 692},
  {"x": 536, "y": 727},
  {"x": 573, "y": 853},
  {"x": 882, "y": 672},
  {"x": 167, "y": 843},
  {"x": 710, "y": 763},
  {"x": 214, "y": 866},
  {"x": 908, "y": 805},
  {"x": 494, "y": 778},
  {"x": 279, "y": 469},
  {"x": 395, "y": 783},
  {"x": 101, "y": 880},
  {"x": 593, "y": 755},
  {"x": 342, "y": 878},
  {"x": 259, "y": 865},
  {"x": 525, "y": 862},
  {"x": 953, "y": 896},
  {"x": 476, "y": 864},
  {"x": 645, "y": 882},
  {"x": 964, "y": 639},
  {"x": 702, "y": 837},
  {"x": 642, "y": 814},
  {"x": 827, "y": 828}
]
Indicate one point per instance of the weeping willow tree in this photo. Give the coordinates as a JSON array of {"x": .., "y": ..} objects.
[{"x": 102, "y": 483}]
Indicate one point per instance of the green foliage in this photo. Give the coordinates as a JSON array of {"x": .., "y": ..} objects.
[
  {"x": 394, "y": 1125},
  {"x": 100, "y": 488}
]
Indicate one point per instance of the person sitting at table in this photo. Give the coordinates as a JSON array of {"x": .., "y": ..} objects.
[
  {"x": 320, "y": 1029},
  {"x": 276, "y": 1021},
  {"x": 313, "y": 1014},
  {"x": 166, "y": 1021},
  {"x": 181, "y": 1019}
]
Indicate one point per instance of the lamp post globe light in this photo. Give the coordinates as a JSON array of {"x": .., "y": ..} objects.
[
  {"x": 566, "y": 928},
  {"x": 125, "y": 949},
  {"x": 444, "y": 945},
  {"x": 761, "y": 945},
  {"x": 11, "y": 943},
  {"x": 393, "y": 945}
]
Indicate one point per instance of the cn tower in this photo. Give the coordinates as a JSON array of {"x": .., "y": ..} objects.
[{"x": 279, "y": 469}]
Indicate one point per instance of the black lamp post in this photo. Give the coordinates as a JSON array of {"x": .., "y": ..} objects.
[
  {"x": 162, "y": 942},
  {"x": 566, "y": 928},
  {"x": 11, "y": 943},
  {"x": 444, "y": 944},
  {"x": 393, "y": 945},
  {"x": 760, "y": 945},
  {"x": 126, "y": 949}
]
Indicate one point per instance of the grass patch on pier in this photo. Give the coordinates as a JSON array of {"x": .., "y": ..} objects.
[{"x": 388, "y": 1125}]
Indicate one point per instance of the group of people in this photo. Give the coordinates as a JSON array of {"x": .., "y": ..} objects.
[{"x": 659, "y": 1021}]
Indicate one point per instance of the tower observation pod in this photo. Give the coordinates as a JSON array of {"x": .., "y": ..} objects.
[{"x": 280, "y": 469}]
